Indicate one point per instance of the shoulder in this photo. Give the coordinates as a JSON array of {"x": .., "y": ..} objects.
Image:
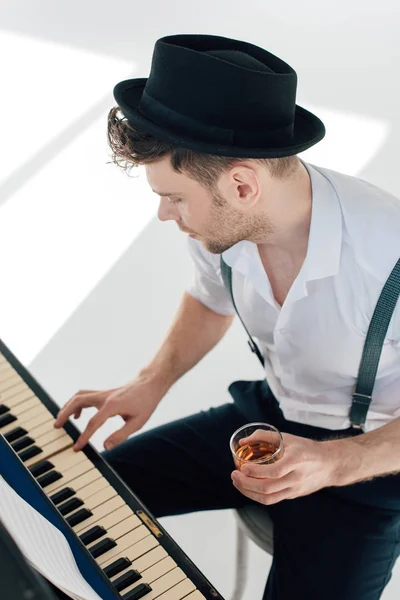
[{"x": 371, "y": 219}]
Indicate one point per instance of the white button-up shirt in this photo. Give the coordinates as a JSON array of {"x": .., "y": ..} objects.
[{"x": 312, "y": 346}]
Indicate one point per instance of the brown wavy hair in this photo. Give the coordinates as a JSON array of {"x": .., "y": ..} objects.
[{"x": 132, "y": 147}]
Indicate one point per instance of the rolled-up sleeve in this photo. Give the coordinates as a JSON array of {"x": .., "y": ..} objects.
[{"x": 207, "y": 285}]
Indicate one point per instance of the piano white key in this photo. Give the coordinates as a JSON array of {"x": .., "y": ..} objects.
[
  {"x": 144, "y": 563},
  {"x": 31, "y": 418},
  {"x": 34, "y": 417},
  {"x": 8, "y": 379},
  {"x": 168, "y": 582},
  {"x": 149, "y": 559},
  {"x": 156, "y": 571},
  {"x": 119, "y": 530},
  {"x": 176, "y": 593},
  {"x": 69, "y": 458},
  {"x": 195, "y": 596},
  {"x": 136, "y": 551},
  {"x": 11, "y": 389},
  {"x": 43, "y": 428},
  {"x": 92, "y": 487},
  {"x": 5, "y": 377},
  {"x": 127, "y": 540},
  {"x": 81, "y": 477},
  {"x": 69, "y": 475},
  {"x": 125, "y": 526},
  {"x": 95, "y": 500},
  {"x": 15, "y": 394},
  {"x": 7, "y": 386},
  {"x": 26, "y": 405},
  {"x": 98, "y": 513},
  {"x": 50, "y": 436},
  {"x": 64, "y": 442},
  {"x": 41, "y": 441},
  {"x": 5, "y": 366},
  {"x": 111, "y": 519}
]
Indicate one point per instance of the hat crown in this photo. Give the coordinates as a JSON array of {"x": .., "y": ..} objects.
[
  {"x": 240, "y": 58},
  {"x": 189, "y": 78}
]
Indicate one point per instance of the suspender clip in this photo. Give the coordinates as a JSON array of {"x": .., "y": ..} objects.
[
  {"x": 362, "y": 395},
  {"x": 354, "y": 426}
]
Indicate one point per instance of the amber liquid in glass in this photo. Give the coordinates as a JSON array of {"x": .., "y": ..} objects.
[{"x": 256, "y": 451}]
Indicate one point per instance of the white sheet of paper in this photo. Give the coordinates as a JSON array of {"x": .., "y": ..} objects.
[{"x": 42, "y": 544}]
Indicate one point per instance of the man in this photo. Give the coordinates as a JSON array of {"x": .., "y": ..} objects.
[{"x": 310, "y": 249}]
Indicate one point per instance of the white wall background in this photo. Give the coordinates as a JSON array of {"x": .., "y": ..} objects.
[{"x": 89, "y": 279}]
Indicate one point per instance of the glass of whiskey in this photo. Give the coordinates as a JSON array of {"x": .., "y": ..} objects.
[{"x": 266, "y": 450}]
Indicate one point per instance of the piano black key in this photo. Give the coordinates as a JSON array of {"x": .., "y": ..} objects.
[
  {"x": 3, "y": 409},
  {"x": 41, "y": 467},
  {"x": 22, "y": 443},
  {"x": 70, "y": 505},
  {"x": 62, "y": 495},
  {"x": 102, "y": 547},
  {"x": 15, "y": 434},
  {"x": 126, "y": 579},
  {"x": 29, "y": 453},
  {"x": 93, "y": 534},
  {"x": 7, "y": 419},
  {"x": 79, "y": 516},
  {"x": 48, "y": 478},
  {"x": 138, "y": 592},
  {"x": 117, "y": 566}
]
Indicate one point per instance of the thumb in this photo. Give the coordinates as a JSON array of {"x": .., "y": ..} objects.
[{"x": 121, "y": 435}]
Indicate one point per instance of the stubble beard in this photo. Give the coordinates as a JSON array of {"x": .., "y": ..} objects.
[{"x": 227, "y": 226}]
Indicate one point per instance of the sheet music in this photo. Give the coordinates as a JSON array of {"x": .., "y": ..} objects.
[{"x": 42, "y": 544}]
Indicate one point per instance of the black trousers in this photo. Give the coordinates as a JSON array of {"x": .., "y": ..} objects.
[{"x": 336, "y": 544}]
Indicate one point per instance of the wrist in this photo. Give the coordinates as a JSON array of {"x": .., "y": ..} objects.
[
  {"x": 158, "y": 379},
  {"x": 347, "y": 460}
]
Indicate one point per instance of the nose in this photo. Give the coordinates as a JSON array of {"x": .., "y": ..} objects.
[{"x": 167, "y": 212}]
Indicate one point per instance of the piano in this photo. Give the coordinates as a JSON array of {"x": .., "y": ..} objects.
[{"x": 120, "y": 548}]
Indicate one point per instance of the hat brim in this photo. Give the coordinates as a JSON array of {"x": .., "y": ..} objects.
[{"x": 308, "y": 128}]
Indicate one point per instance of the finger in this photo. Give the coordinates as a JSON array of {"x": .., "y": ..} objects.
[
  {"x": 277, "y": 470},
  {"x": 269, "y": 499},
  {"x": 260, "y": 435},
  {"x": 70, "y": 408},
  {"x": 121, "y": 435},
  {"x": 76, "y": 403},
  {"x": 262, "y": 486},
  {"x": 93, "y": 425},
  {"x": 77, "y": 414},
  {"x": 94, "y": 392}
]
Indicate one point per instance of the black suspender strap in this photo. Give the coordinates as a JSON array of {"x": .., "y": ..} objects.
[
  {"x": 377, "y": 330},
  {"x": 226, "y": 273},
  {"x": 373, "y": 347}
]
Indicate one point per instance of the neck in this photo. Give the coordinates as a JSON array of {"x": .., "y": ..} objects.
[{"x": 288, "y": 209}]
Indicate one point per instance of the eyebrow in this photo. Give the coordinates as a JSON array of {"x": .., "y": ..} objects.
[{"x": 166, "y": 193}]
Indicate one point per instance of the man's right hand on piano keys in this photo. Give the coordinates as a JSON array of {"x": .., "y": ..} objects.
[{"x": 135, "y": 402}]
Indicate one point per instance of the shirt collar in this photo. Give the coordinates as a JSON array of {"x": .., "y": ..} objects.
[
  {"x": 325, "y": 238},
  {"x": 324, "y": 244}
]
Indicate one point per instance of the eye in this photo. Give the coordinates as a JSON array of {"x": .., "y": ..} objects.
[{"x": 176, "y": 201}]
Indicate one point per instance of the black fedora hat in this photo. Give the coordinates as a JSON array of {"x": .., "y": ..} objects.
[{"x": 220, "y": 96}]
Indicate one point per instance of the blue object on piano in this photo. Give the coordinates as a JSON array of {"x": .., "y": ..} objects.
[{"x": 21, "y": 480}]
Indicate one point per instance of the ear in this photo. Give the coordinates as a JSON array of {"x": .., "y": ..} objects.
[{"x": 245, "y": 185}]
